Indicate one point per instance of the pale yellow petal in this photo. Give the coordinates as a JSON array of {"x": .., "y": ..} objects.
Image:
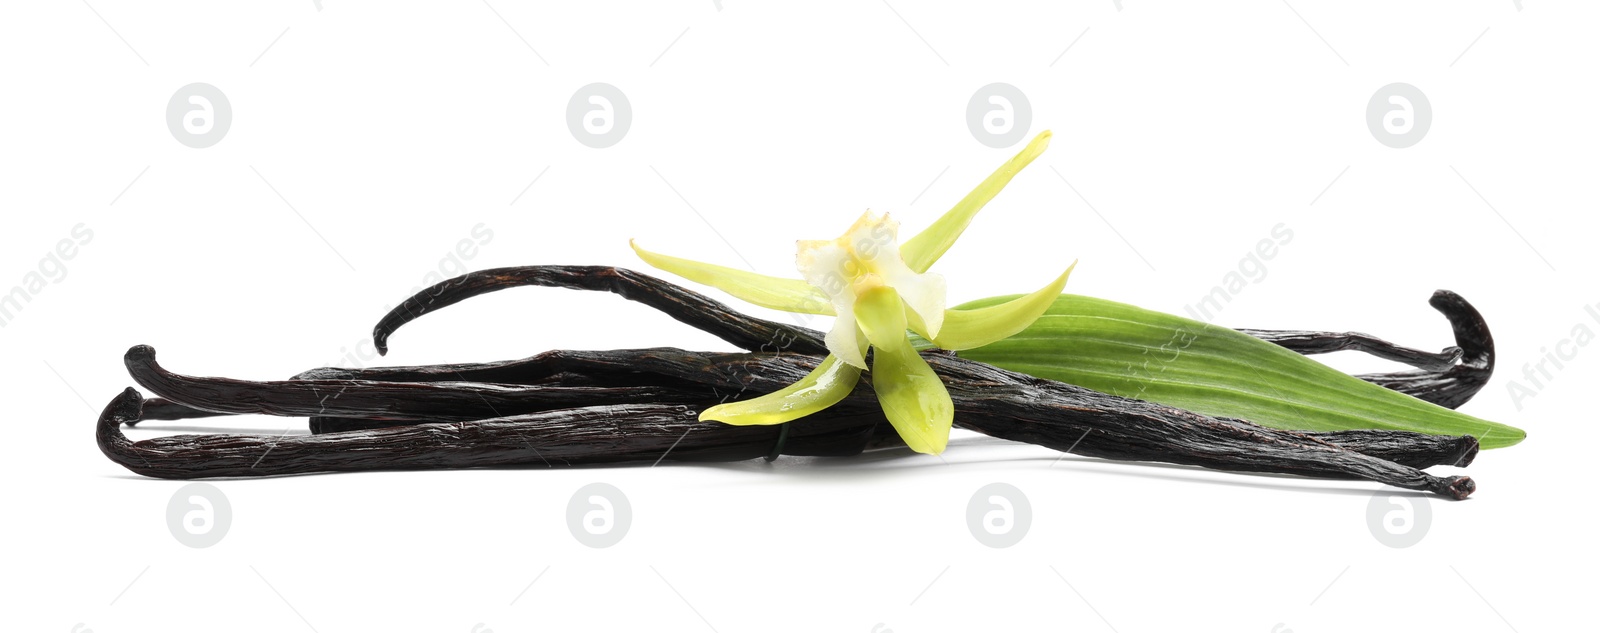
[
  {"x": 966, "y": 329},
  {"x": 913, "y": 398},
  {"x": 922, "y": 251},
  {"x": 845, "y": 341},
  {"x": 789, "y": 295},
  {"x": 828, "y": 268},
  {"x": 825, "y": 386}
]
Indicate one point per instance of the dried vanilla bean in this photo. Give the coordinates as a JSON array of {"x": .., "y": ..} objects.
[
  {"x": 989, "y": 400},
  {"x": 584, "y": 435},
  {"x": 692, "y": 308},
  {"x": 436, "y": 401},
  {"x": 1440, "y": 379},
  {"x": 486, "y": 414},
  {"x": 1448, "y": 378},
  {"x": 620, "y": 367}
]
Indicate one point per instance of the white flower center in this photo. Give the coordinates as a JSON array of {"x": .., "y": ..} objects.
[{"x": 868, "y": 256}]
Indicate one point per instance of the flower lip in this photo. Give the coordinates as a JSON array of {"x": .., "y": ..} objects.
[{"x": 867, "y": 256}]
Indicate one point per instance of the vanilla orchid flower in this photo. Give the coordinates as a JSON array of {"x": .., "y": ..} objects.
[{"x": 877, "y": 288}]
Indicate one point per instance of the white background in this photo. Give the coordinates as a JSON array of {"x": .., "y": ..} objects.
[{"x": 390, "y": 130}]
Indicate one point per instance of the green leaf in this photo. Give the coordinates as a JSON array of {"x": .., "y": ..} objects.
[
  {"x": 921, "y": 251},
  {"x": 912, "y": 396},
  {"x": 1136, "y": 353},
  {"x": 824, "y": 387},
  {"x": 778, "y": 293},
  {"x": 966, "y": 329}
]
